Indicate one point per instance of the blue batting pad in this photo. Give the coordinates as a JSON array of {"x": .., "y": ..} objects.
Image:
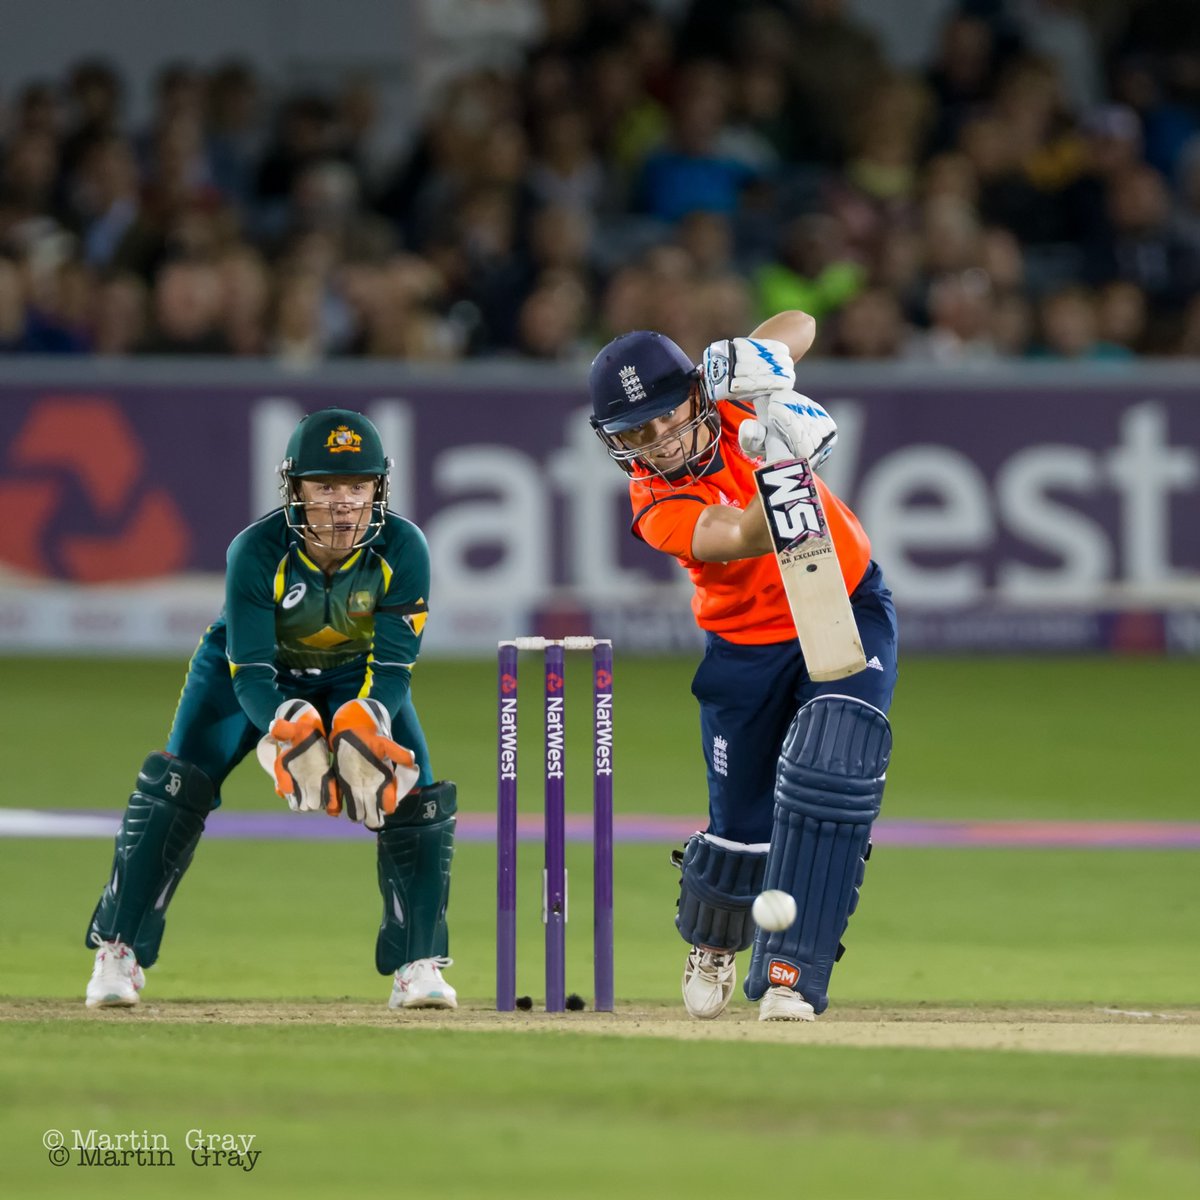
[{"x": 827, "y": 794}]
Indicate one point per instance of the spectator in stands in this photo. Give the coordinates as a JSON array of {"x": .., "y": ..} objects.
[
  {"x": 696, "y": 167},
  {"x": 405, "y": 321},
  {"x": 187, "y": 311},
  {"x": 1070, "y": 329},
  {"x": 837, "y": 62},
  {"x": 1123, "y": 315},
  {"x": 552, "y": 319},
  {"x": 626, "y": 302},
  {"x": 564, "y": 169},
  {"x": 94, "y": 98},
  {"x": 245, "y": 285},
  {"x": 119, "y": 316},
  {"x": 814, "y": 272},
  {"x": 28, "y": 182},
  {"x": 236, "y": 136},
  {"x": 1145, "y": 247},
  {"x": 1188, "y": 342},
  {"x": 57, "y": 291},
  {"x": 1012, "y": 323},
  {"x": 870, "y": 326},
  {"x": 962, "y": 77},
  {"x": 115, "y": 231},
  {"x": 296, "y": 339},
  {"x": 12, "y": 310},
  {"x": 961, "y": 316}
]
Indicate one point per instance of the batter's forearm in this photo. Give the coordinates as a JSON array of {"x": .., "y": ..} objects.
[
  {"x": 796, "y": 329},
  {"x": 724, "y": 533}
]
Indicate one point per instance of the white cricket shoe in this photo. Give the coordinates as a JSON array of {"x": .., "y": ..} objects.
[
  {"x": 116, "y": 977},
  {"x": 708, "y": 979},
  {"x": 419, "y": 984},
  {"x": 782, "y": 1004}
]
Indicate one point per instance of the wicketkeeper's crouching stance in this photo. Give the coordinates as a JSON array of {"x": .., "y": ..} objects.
[
  {"x": 795, "y": 757},
  {"x": 309, "y": 664}
]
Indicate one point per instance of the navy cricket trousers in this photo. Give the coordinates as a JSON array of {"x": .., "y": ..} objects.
[{"x": 749, "y": 696}]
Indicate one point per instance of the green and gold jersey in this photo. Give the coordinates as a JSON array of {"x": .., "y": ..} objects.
[{"x": 284, "y": 614}]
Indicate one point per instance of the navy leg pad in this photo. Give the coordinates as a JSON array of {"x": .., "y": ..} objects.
[
  {"x": 828, "y": 791},
  {"x": 716, "y": 890}
]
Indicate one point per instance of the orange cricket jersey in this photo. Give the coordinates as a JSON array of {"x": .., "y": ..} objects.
[{"x": 743, "y": 600}]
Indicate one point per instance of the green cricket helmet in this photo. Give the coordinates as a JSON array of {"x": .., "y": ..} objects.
[{"x": 334, "y": 441}]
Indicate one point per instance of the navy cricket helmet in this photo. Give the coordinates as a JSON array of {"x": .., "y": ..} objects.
[
  {"x": 638, "y": 377},
  {"x": 334, "y": 442}
]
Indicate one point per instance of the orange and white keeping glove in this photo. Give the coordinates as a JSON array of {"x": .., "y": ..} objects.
[
  {"x": 372, "y": 772},
  {"x": 295, "y": 754}
]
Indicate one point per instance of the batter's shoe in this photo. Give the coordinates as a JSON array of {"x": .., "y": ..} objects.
[
  {"x": 419, "y": 984},
  {"x": 782, "y": 1004},
  {"x": 708, "y": 979},
  {"x": 116, "y": 977}
]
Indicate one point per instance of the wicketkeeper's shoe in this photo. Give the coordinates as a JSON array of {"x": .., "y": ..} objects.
[
  {"x": 708, "y": 979},
  {"x": 419, "y": 984},
  {"x": 116, "y": 977},
  {"x": 782, "y": 1004}
]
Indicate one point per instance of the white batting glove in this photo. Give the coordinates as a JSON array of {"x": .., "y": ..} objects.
[
  {"x": 373, "y": 772},
  {"x": 295, "y": 754},
  {"x": 744, "y": 368},
  {"x": 788, "y": 425}
]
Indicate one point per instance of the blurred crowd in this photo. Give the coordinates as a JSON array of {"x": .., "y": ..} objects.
[{"x": 1034, "y": 190}]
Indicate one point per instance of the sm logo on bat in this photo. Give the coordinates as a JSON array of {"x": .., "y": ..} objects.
[{"x": 790, "y": 496}]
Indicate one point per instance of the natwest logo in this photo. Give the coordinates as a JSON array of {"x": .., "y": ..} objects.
[{"x": 76, "y": 471}]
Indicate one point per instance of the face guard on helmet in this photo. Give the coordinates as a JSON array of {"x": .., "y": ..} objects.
[
  {"x": 329, "y": 443},
  {"x": 637, "y": 378}
]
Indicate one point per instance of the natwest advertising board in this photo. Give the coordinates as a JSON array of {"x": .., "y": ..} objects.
[{"x": 1054, "y": 491}]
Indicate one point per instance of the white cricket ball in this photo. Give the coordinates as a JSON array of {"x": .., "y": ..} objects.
[{"x": 773, "y": 910}]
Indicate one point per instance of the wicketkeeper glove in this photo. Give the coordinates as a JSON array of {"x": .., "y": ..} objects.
[
  {"x": 788, "y": 425},
  {"x": 743, "y": 368},
  {"x": 294, "y": 752},
  {"x": 372, "y": 771}
]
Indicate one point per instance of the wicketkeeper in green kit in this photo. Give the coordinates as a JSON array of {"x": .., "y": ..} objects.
[{"x": 309, "y": 664}]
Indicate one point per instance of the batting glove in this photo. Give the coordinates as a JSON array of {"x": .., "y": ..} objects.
[
  {"x": 294, "y": 752},
  {"x": 372, "y": 771},
  {"x": 786, "y": 426},
  {"x": 743, "y": 368}
]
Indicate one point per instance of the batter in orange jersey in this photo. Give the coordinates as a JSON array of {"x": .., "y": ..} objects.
[{"x": 690, "y": 437}]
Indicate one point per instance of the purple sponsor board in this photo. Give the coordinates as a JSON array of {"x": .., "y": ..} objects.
[{"x": 1044, "y": 493}]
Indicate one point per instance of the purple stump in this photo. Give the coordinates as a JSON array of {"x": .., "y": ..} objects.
[
  {"x": 554, "y": 886},
  {"x": 506, "y": 833},
  {"x": 602, "y": 824}
]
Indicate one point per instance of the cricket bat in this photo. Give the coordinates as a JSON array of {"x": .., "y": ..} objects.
[{"x": 809, "y": 567}]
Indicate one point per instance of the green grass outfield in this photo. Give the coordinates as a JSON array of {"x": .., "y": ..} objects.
[{"x": 291, "y": 1044}]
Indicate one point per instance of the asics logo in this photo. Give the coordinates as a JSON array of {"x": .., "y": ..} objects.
[{"x": 294, "y": 595}]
